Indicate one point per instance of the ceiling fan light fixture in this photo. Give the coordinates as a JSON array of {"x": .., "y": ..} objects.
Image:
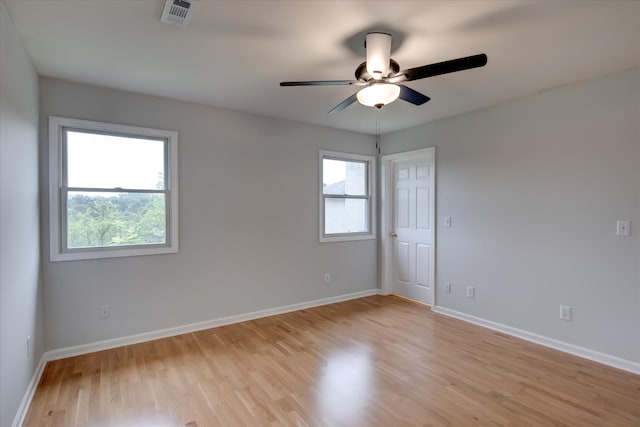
[
  {"x": 383, "y": 79},
  {"x": 378, "y": 94}
]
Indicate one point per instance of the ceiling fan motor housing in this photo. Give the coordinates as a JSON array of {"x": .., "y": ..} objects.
[{"x": 364, "y": 76}]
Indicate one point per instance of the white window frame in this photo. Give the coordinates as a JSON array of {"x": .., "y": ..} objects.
[
  {"x": 57, "y": 218},
  {"x": 371, "y": 196}
]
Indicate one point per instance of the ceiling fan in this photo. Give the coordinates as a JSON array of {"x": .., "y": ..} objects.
[{"x": 381, "y": 76}]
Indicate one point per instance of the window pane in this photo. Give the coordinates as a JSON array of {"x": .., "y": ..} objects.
[
  {"x": 346, "y": 216},
  {"x": 344, "y": 178},
  {"x": 110, "y": 161},
  {"x": 115, "y": 219}
]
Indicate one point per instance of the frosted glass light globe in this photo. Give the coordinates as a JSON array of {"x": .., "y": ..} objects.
[{"x": 378, "y": 94}]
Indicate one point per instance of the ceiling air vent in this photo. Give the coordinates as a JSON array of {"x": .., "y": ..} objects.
[{"x": 177, "y": 12}]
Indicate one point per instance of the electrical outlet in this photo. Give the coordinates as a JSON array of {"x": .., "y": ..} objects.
[
  {"x": 28, "y": 345},
  {"x": 327, "y": 277},
  {"x": 623, "y": 228},
  {"x": 447, "y": 287},
  {"x": 471, "y": 292},
  {"x": 447, "y": 221},
  {"x": 565, "y": 313},
  {"x": 105, "y": 311}
]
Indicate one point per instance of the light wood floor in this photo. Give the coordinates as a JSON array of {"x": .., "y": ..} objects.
[{"x": 376, "y": 361}]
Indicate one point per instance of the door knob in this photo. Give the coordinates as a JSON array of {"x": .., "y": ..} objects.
[{"x": 394, "y": 234}]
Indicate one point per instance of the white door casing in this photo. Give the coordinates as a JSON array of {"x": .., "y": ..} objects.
[{"x": 408, "y": 226}]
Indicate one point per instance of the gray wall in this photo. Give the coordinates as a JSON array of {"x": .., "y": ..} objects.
[
  {"x": 248, "y": 222},
  {"x": 20, "y": 292},
  {"x": 534, "y": 188}
]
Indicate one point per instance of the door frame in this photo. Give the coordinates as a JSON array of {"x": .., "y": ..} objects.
[{"x": 386, "y": 216}]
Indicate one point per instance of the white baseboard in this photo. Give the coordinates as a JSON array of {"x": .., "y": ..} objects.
[
  {"x": 18, "y": 420},
  {"x": 605, "y": 359}
]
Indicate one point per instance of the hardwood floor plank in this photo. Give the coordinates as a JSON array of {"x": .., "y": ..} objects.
[{"x": 376, "y": 361}]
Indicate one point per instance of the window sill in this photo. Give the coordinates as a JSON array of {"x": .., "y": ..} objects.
[
  {"x": 347, "y": 238},
  {"x": 112, "y": 253}
]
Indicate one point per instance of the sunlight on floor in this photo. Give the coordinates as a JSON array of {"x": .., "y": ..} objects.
[{"x": 346, "y": 384}]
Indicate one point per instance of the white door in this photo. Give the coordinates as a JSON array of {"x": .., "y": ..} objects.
[{"x": 412, "y": 226}]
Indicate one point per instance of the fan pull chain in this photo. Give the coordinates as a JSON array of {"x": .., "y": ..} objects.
[{"x": 378, "y": 143}]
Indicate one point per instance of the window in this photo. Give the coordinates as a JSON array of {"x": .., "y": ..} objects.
[
  {"x": 346, "y": 197},
  {"x": 113, "y": 190}
]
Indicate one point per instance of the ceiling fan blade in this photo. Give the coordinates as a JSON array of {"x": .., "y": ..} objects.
[
  {"x": 439, "y": 68},
  {"x": 320, "y": 83},
  {"x": 412, "y": 96},
  {"x": 344, "y": 104}
]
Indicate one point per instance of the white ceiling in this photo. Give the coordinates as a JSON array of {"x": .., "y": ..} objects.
[{"x": 234, "y": 53}]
